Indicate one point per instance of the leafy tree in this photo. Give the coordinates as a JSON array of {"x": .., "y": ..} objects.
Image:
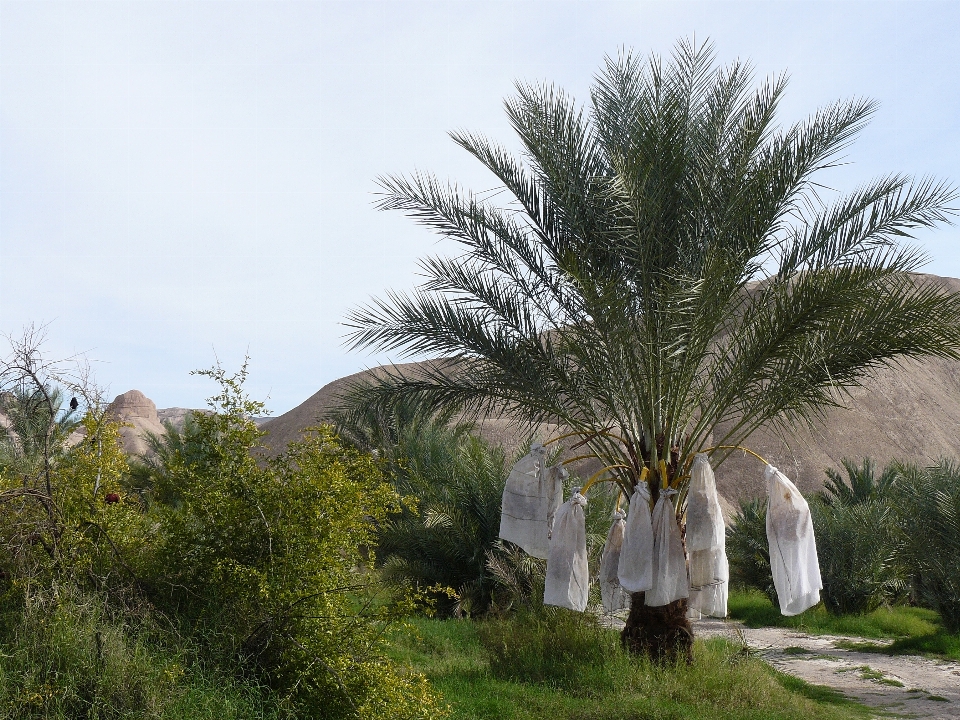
[
  {"x": 262, "y": 561},
  {"x": 660, "y": 267}
]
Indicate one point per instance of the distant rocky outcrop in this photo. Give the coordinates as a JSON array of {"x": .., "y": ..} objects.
[{"x": 138, "y": 413}]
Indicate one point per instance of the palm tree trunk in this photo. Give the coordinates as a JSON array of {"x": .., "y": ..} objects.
[{"x": 664, "y": 634}]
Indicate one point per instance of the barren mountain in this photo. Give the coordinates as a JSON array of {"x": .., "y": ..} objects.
[{"x": 910, "y": 412}]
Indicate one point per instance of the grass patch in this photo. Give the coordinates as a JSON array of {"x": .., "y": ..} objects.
[
  {"x": 916, "y": 631},
  {"x": 754, "y": 609},
  {"x": 560, "y": 665},
  {"x": 868, "y": 673},
  {"x": 796, "y": 650},
  {"x": 74, "y": 662},
  {"x": 817, "y": 693},
  {"x": 938, "y": 645}
]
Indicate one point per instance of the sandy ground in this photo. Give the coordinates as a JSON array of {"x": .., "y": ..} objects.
[{"x": 899, "y": 685}]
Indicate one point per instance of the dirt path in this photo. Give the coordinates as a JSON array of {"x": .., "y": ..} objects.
[{"x": 902, "y": 685}]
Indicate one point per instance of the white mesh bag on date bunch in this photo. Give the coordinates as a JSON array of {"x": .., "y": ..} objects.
[
  {"x": 530, "y": 498},
  {"x": 793, "y": 549},
  {"x": 706, "y": 542},
  {"x": 568, "y": 578},
  {"x": 670, "y": 580},
  {"x": 635, "y": 568},
  {"x": 614, "y": 597}
]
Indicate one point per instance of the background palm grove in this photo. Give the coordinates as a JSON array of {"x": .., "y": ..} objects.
[{"x": 658, "y": 262}]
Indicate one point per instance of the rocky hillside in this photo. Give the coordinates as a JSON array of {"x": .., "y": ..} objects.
[
  {"x": 139, "y": 415},
  {"x": 910, "y": 412}
]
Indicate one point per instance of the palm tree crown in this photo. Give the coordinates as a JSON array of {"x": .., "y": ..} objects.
[{"x": 664, "y": 264}]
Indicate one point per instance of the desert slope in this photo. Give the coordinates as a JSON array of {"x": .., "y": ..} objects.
[{"x": 909, "y": 412}]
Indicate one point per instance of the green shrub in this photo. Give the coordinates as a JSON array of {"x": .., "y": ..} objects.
[
  {"x": 748, "y": 551},
  {"x": 856, "y": 546},
  {"x": 65, "y": 657},
  {"x": 86, "y": 532},
  {"x": 927, "y": 506},
  {"x": 555, "y": 647},
  {"x": 262, "y": 560}
]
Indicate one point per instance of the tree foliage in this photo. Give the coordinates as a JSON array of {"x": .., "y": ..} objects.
[
  {"x": 660, "y": 263},
  {"x": 264, "y": 560},
  {"x": 453, "y": 483},
  {"x": 245, "y": 568},
  {"x": 928, "y": 517},
  {"x": 860, "y": 485}
]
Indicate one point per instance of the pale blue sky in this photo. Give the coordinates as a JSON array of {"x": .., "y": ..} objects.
[{"x": 184, "y": 178}]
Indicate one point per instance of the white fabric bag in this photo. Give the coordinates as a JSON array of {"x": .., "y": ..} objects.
[
  {"x": 568, "y": 578},
  {"x": 670, "y": 581},
  {"x": 530, "y": 498},
  {"x": 706, "y": 542},
  {"x": 710, "y": 599},
  {"x": 705, "y": 528},
  {"x": 635, "y": 569},
  {"x": 556, "y": 477},
  {"x": 793, "y": 549},
  {"x": 613, "y": 595}
]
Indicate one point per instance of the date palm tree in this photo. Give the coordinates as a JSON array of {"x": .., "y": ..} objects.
[
  {"x": 34, "y": 425},
  {"x": 656, "y": 265}
]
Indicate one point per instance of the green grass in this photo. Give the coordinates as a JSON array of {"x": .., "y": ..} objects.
[
  {"x": 73, "y": 662},
  {"x": 915, "y": 631},
  {"x": 754, "y": 609},
  {"x": 502, "y": 670},
  {"x": 868, "y": 673}
]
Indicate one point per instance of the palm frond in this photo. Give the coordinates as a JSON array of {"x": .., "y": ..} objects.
[{"x": 660, "y": 261}]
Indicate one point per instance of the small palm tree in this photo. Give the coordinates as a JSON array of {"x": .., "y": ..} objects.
[
  {"x": 445, "y": 537},
  {"x": 927, "y": 506},
  {"x": 150, "y": 474},
  {"x": 657, "y": 265},
  {"x": 861, "y": 484},
  {"x": 36, "y": 427}
]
